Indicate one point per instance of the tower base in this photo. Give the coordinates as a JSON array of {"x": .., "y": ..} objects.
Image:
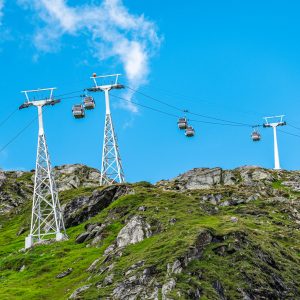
[
  {"x": 28, "y": 242},
  {"x": 60, "y": 236}
]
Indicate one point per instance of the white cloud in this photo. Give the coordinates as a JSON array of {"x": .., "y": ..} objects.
[
  {"x": 1, "y": 10},
  {"x": 110, "y": 29}
]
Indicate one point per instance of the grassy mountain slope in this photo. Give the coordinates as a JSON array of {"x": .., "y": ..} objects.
[{"x": 200, "y": 237}]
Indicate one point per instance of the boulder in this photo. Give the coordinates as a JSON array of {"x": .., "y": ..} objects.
[
  {"x": 65, "y": 273},
  {"x": 133, "y": 232}
]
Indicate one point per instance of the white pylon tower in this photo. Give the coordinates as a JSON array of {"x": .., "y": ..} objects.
[
  {"x": 277, "y": 121},
  {"x": 111, "y": 167},
  {"x": 46, "y": 217}
]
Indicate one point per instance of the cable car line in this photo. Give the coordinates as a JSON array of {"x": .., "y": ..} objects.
[
  {"x": 289, "y": 133},
  {"x": 209, "y": 101},
  {"x": 70, "y": 93},
  {"x": 187, "y": 111},
  {"x": 173, "y": 115},
  {"x": 145, "y": 106},
  {"x": 18, "y": 134},
  {"x": 8, "y": 117},
  {"x": 169, "y": 105},
  {"x": 295, "y": 127}
]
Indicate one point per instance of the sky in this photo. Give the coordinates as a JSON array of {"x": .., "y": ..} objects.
[{"x": 232, "y": 60}]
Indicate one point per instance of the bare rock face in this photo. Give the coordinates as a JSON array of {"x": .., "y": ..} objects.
[
  {"x": 83, "y": 208},
  {"x": 74, "y": 176},
  {"x": 16, "y": 187},
  {"x": 204, "y": 178},
  {"x": 2, "y": 178},
  {"x": 142, "y": 285},
  {"x": 200, "y": 178},
  {"x": 250, "y": 174},
  {"x": 133, "y": 232}
]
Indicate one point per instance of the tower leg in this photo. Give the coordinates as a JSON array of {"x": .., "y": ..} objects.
[
  {"x": 111, "y": 168},
  {"x": 46, "y": 218}
]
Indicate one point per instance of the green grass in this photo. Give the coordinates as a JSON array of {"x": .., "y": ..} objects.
[{"x": 264, "y": 226}]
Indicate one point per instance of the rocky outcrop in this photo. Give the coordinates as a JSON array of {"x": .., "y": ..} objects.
[
  {"x": 199, "y": 179},
  {"x": 142, "y": 285},
  {"x": 73, "y": 176},
  {"x": 167, "y": 288},
  {"x": 135, "y": 231},
  {"x": 204, "y": 178},
  {"x": 82, "y": 208},
  {"x": 16, "y": 187}
]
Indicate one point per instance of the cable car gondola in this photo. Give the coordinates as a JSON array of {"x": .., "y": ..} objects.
[
  {"x": 189, "y": 131},
  {"x": 255, "y": 136},
  {"x": 89, "y": 102},
  {"x": 78, "y": 111},
  {"x": 182, "y": 123}
]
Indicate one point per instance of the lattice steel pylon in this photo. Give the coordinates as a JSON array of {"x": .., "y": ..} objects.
[
  {"x": 46, "y": 217},
  {"x": 111, "y": 167}
]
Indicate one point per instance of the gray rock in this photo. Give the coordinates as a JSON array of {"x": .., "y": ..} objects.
[
  {"x": 81, "y": 209},
  {"x": 22, "y": 268},
  {"x": 167, "y": 288},
  {"x": 77, "y": 292},
  {"x": 74, "y": 176},
  {"x": 108, "y": 280},
  {"x": 133, "y": 232},
  {"x": 65, "y": 273},
  {"x": 174, "y": 268},
  {"x": 172, "y": 221},
  {"x": 229, "y": 178},
  {"x": 141, "y": 285},
  {"x": 219, "y": 289},
  {"x": 93, "y": 266},
  {"x": 234, "y": 219},
  {"x": 134, "y": 267},
  {"x": 294, "y": 185},
  {"x": 109, "y": 249},
  {"x": 142, "y": 208},
  {"x": 82, "y": 237},
  {"x": 21, "y": 231},
  {"x": 250, "y": 174},
  {"x": 200, "y": 178}
]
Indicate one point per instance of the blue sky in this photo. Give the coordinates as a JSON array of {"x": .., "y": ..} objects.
[{"x": 237, "y": 61}]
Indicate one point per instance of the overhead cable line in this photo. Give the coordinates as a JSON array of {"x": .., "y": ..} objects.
[
  {"x": 187, "y": 111},
  {"x": 70, "y": 93},
  {"x": 18, "y": 134},
  {"x": 295, "y": 127},
  {"x": 209, "y": 101},
  {"x": 8, "y": 117},
  {"x": 289, "y": 133},
  {"x": 173, "y": 115}
]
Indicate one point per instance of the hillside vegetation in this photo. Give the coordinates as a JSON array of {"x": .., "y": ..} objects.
[{"x": 207, "y": 234}]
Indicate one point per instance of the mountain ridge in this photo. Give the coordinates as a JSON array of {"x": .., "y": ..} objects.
[{"x": 208, "y": 233}]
